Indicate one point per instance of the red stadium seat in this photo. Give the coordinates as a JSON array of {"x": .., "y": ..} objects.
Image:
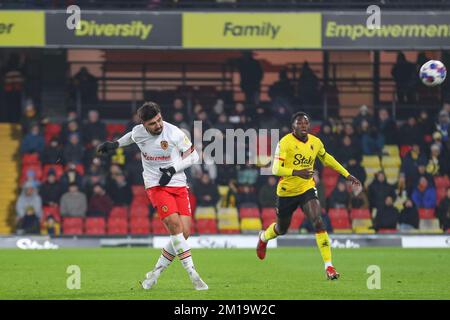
[
  {"x": 139, "y": 225},
  {"x": 230, "y": 231},
  {"x": 119, "y": 212},
  {"x": 31, "y": 158},
  {"x": 268, "y": 216},
  {"x": 341, "y": 223},
  {"x": 387, "y": 231},
  {"x": 426, "y": 213},
  {"x": 206, "y": 226},
  {"x": 138, "y": 190},
  {"x": 58, "y": 168},
  {"x": 139, "y": 210},
  {"x": 72, "y": 225},
  {"x": 249, "y": 213},
  {"x": 441, "y": 194},
  {"x": 442, "y": 182},
  {"x": 117, "y": 226},
  {"x": 114, "y": 128},
  {"x": 140, "y": 201},
  {"x": 329, "y": 172},
  {"x": 95, "y": 226},
  {"x": 158, "y": 226},
  {"x": 360, "y": 214},
  {"x": 338, "y": 213},
  {"x": 297, "y": 219},
  {"x": 51, "y": 211},
  {"x": 51, "y": 130}
]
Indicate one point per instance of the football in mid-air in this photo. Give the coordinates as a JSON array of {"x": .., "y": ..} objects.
[{"x": 433, "y": 73}]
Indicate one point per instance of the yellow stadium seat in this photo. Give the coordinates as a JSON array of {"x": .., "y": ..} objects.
[
  {"x": 391, "y": 162},
  {"x": 205, "y": 213},
  {"x": 391, "y": 150},
  {"x": 363, "y": 230},
  {"x": 251, "y": 224},
  {"x": 370, "y": 171},
  {"x": 342, "y": 231},
  {"x": 429, "y": 226},
  {"x": 228, "y": 225},
  {"x": 371, "y": 161},
  {"x": 224, "y": 213},
  {"x": 361, "y": 223}
]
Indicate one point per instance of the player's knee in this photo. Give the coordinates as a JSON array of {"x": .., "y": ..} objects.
[
  {"x": 318, "y": 224},
  {"x": 186, "y": 234}
]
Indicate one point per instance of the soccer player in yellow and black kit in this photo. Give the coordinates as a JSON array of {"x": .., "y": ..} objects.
[{"x": 294, "y": 163}]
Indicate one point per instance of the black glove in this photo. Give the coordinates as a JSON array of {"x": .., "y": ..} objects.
[
  {"x": 166, "y": 176},
  {"x": 107, "y": 146}
]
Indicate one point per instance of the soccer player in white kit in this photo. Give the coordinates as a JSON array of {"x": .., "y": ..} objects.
[{"x": 166, "y": 152}]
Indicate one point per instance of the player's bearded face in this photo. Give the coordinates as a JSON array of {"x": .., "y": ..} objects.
[
  {"x": 301, "y": 127},
  {"x": 155, "y": 125}
]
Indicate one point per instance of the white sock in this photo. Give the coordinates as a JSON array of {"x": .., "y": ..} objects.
[
  {"x": 262, "y": 237},
  {"x": 328, "y": 264},
  {"x": 166, "y": 257},
  {"x": 183, "y": 252}
]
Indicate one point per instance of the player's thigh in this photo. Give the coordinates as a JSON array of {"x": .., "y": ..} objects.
[
  {"x": 184, "y": 209},
  {"x": 285, "y": 208},
  {"x": 173, "y": 224},
  {"x": 311, "y": 205}
]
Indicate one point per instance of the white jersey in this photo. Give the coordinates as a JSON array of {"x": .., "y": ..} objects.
[{"x": 161, "y": 151}]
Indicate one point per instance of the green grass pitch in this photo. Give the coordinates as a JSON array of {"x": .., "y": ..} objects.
[{"x": 287, "y": 273}]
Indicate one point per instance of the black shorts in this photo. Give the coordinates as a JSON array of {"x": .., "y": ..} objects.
[{"x": 287, "y": 205}]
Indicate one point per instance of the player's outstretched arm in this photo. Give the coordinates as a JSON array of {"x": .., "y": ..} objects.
[{"x": 107, "y": 146}]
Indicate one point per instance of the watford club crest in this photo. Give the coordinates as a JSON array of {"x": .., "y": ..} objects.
[{"x": 164, "y": 144}]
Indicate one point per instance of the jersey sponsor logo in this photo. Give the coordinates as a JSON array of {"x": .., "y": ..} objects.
[
  {"x": 302, "y": 160},
  {"x": 155, "y": 158},
  {"x": 164, "y": 144}
]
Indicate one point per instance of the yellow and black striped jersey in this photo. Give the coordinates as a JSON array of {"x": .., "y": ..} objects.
[{"x": 294, "y": 154}]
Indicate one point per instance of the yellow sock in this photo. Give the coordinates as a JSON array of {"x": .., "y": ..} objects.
[
  {"x": 323, "y": 242},
  {"x": 270, "y": 232}
]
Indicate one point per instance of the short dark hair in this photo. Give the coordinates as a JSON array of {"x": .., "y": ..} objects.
[
  {"x": 148, "y": 111},
  {"x": 298, "y": 115}
]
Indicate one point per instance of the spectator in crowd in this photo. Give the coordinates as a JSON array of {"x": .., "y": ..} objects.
[
  {"x": 133, "y": 169},
  {"x": 357, "y": 170},
  {"x": 358, "y": 199},
  {"x": 206, "y": 191},
  {"x": 71, "y": 176},
  {"x": 51, "y": 227},
  {"x": 410, "y": 166},
  {"x": 30, "y": 118},
  {"x": 71, "y": 117},
  {"x": 52, "y": 153},
  {"x": 238, "y": 116},
  {"x": 120, "y": 191},
  {"x": 73, "y": 203},
  {"x": 340, "y": 197},
  {"x": 379, "y": 190},
  {"x": 282, "y": 92},
  {"x": 282, "y": 115},
  {"x": 247, "y": 174},
  {"x": 409, "y": 217},
  {"x": 404, "y": 74},
  {"x": 363, "y": 115},
  {"x": 51, "y": 190},
  {"x": 267, "y": 196},
  {"x": 29, "y": 197},
  {"x": 387, "y": 127},
  {"x": 100, "y": 203},
  {"x": 387, "y": 215},
  {"x": 94, "y": 128},
  {"x": 85, "y": 85},
  {"x": 422, "y": 173},
  {"x": 29, "y": 223},
  {"x": 371, "y": 140},
  {"x": 90, "y": 152},
  {"x": 443, "y": 211},
  {"x": 438, "y": 163},
  {"x": 205, "y": 165},
  {"x": 409, "y": 133},
  {"x": 114, "y": 171},
  {"x": 178, "y": 107},
  {"x": 424, "y": 195},
  {"x": 251, "y": 73},
  {"x": 308, "y": 87},
  {"x": 401, "y": 192},
  {"x": 347, "y": 150},
  {"x": 328, "y": 138},
  {"x": 118, "y": 157},
  {"x": 31, "y": 179},
  {"x": 180, "y": 121},
  {"x": 90, "y": 181},
  {"x": 425, "y": 123},
  {"x": 74, "y": 150},
  {"x": 222, "y": 123},
  {"x": 33, "y": 142},
  {"x": 72, "y": 128},
  {"x": 246, "y": 197},
  {"x": 443, "y": 125}
]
